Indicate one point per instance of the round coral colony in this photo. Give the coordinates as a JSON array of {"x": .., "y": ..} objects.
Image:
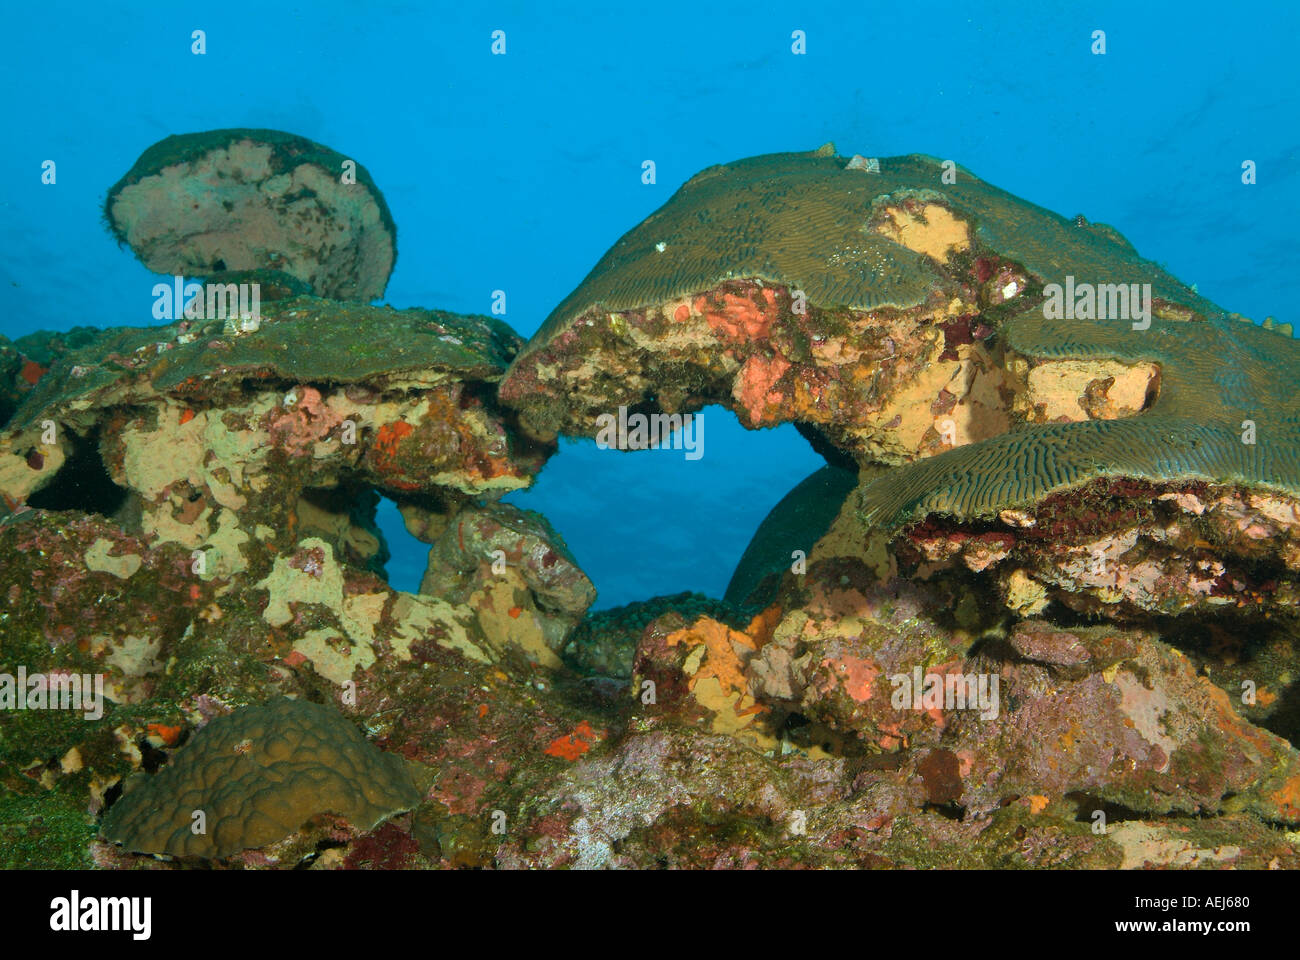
[
  {"x": 256, "y": 775},
  {"x": 291, "y": 211}
]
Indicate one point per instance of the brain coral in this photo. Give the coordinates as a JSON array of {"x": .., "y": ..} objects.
[
  {"x": 1226, "y": 412},
  {"x": 258, "y": 774},
  {"x": 892, "y": 234},
  {"x": 855, "y": 298},
  {"x": 802, "y": 219}
]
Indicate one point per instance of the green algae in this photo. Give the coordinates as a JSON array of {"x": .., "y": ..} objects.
[
  {"x": 46, "y": 346},
  {"x": 49, "y": 831},
  {"x": 302, "y": 339}
]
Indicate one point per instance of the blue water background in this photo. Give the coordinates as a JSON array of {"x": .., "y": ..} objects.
[{"x": 517, "y": 172}]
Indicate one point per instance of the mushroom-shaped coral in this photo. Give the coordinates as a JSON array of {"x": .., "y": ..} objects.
[
  {"x": 201, "y": 204},
  {"x": 858, "y": 299},
  {"x": 257, "y": 775},
  {"x": 335, "y": 393}
]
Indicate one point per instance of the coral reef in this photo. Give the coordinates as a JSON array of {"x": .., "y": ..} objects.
[
  {"x": 605, "y": 642},
  {"x": 1038, "y": 610},
  {"x": 1129, "y": 548},
  {"x": 795, "y": 524},
  {"x": 514, "y": 571}
]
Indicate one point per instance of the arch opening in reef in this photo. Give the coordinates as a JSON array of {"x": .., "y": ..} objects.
[{"x": 644, "y": 523}]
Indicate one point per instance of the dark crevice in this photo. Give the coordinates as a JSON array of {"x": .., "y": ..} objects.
[
  {"x": 1284, "y": 721},
  {"x": 805, "y": 734},
  {"x": 1086, "y": 805},
  {"x": 83, "y": 483},
  {"x": 1232, "y": 650},
  {"x": 111, "y": 796},
  {"x": 151, "y": 758},
  {"x": 820, "y": 443},
  {"x": 949, "y": 811}
]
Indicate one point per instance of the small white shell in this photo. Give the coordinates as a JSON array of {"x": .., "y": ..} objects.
[{"x": 865, "y": 164}]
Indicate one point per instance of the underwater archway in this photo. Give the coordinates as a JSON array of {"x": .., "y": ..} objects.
[{"x": 646, "y": 523}]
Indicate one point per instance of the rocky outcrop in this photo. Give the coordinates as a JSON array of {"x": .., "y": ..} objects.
[{"x": 1039, "y": 613}]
